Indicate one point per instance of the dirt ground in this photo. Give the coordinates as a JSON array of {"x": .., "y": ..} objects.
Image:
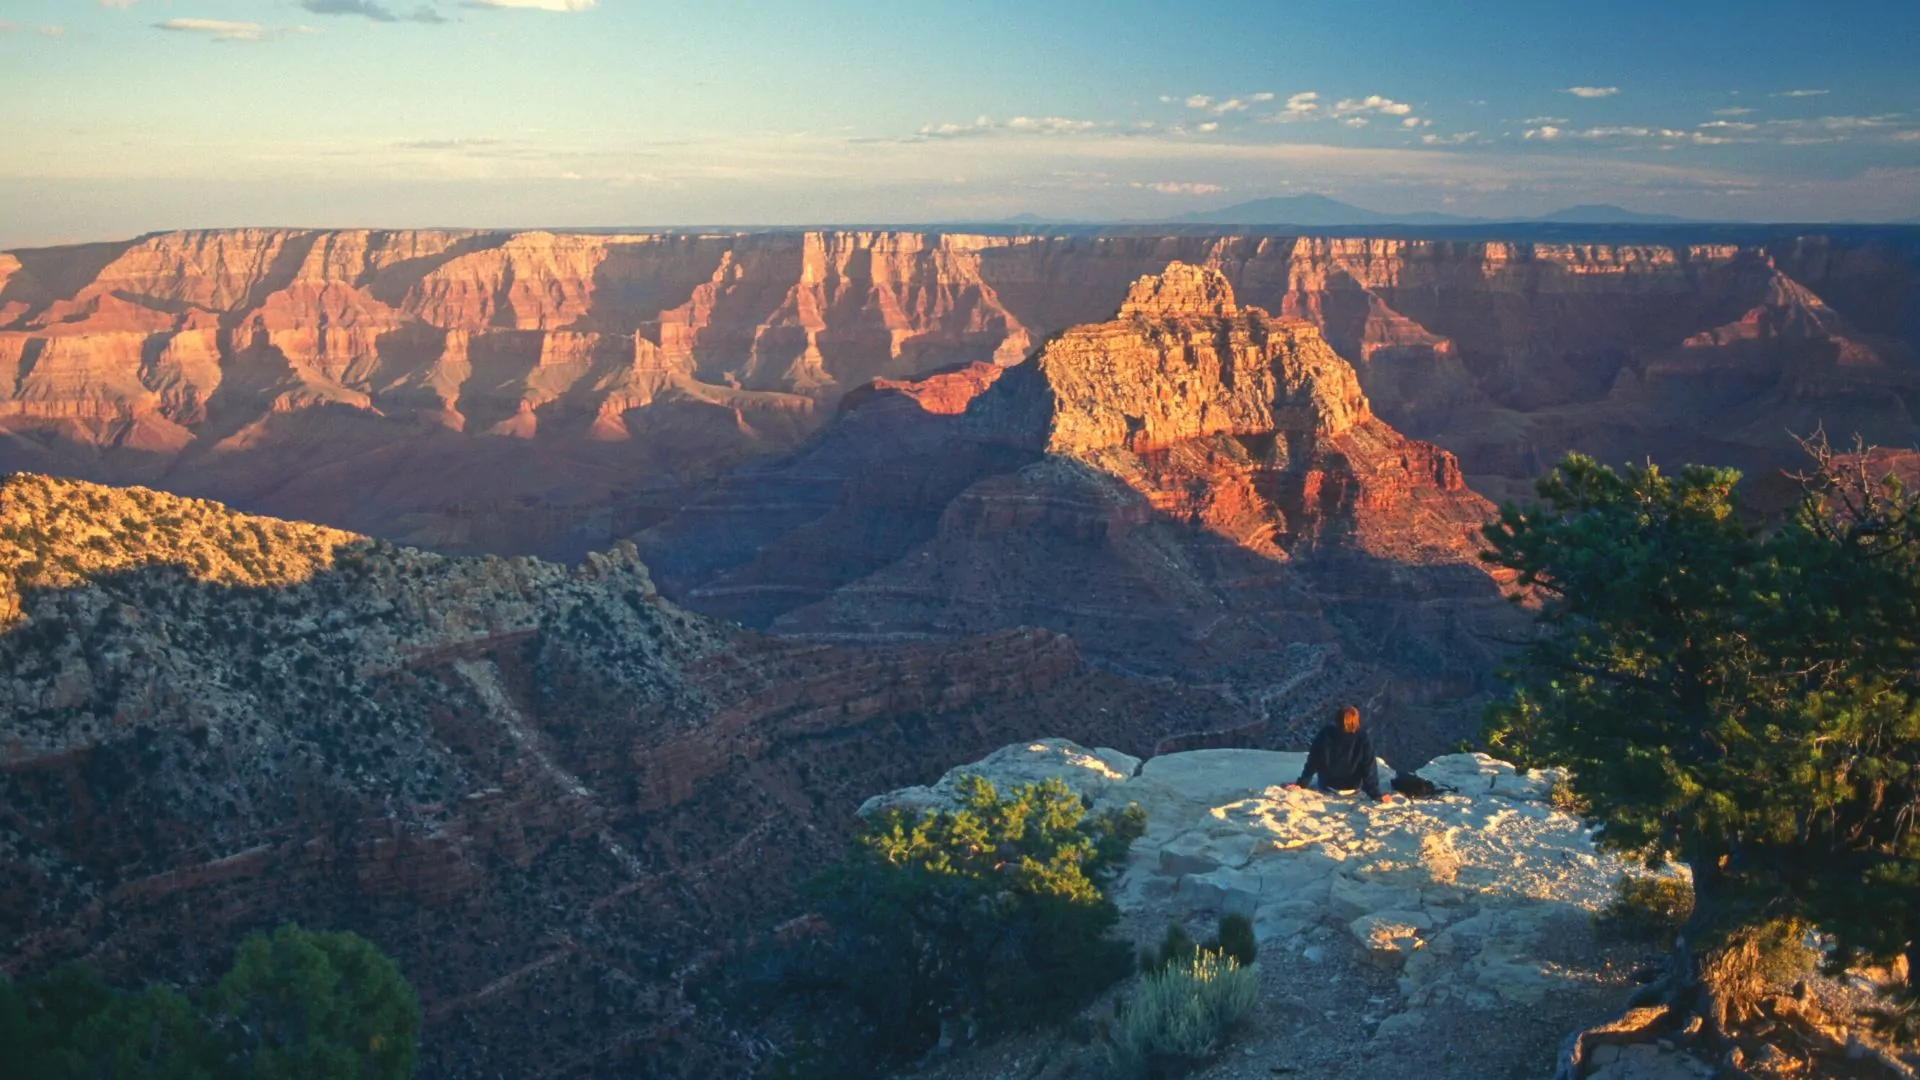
[{"x": 1320, "y": 1012}]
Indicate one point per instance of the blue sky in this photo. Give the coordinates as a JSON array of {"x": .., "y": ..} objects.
[{"x": 122, "y": 116}]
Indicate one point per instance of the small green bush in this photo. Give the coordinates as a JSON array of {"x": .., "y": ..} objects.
[
  {"x": 993, "y": 914},
  {"x": 1648, "y": 908},
  {"x": 1182, "y": 1016},
  {"x": 1176, "y": 948},
  {"x": 1784, "y": 952},
  {"x": 1236, "y": 939}
]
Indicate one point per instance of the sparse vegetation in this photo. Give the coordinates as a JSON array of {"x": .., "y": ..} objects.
[
  {"x": 56, "y": 532},
  {"x": 1234, "y": 937},
  {"x": 1181, "y": 1016},
  {"x": 297, "y": 1005}
]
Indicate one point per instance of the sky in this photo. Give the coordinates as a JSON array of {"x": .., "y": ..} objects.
[{"x": 119, "y": 117}]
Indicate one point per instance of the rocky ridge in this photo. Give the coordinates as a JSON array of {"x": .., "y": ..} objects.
[
  {"x": 550, "y": 794},
  {"x": 548, "y": 392}
]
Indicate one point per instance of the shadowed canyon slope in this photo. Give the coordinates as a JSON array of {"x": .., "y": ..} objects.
[
  {"x": 546, "y": 393},
  {"x": 1190, "y": 489},
  {"x": 552, "y": 796}
]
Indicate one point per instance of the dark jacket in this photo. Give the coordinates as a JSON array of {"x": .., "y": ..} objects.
[{"x": 1343, "y": 761}]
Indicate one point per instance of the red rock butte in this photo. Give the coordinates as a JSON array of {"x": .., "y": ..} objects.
[{"x": 1188, "y": 488}]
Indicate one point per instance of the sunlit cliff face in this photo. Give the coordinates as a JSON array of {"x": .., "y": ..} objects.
[{"x": 543, "y": 392}]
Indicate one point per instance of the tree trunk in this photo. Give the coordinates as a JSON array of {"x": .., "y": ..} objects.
[{"x": 1700, "y": 997}]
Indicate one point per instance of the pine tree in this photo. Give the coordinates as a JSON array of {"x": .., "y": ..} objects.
[{"x": 1745, "y": 701}]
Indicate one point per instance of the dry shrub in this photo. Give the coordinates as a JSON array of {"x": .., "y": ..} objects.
[{"x": 1182, "y": 1016}]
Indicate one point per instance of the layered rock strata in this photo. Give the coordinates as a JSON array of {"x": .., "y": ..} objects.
[
  {"x": 546, "y": 392},
  {"x": 554, "y": 797},
  {"x": 1192, "y": 488}
]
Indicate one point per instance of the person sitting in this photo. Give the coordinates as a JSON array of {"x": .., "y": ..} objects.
[{"x": 1342, "y": 757}]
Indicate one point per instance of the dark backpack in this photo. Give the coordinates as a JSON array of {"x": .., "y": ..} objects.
[{"x": 1414, "y": 786}]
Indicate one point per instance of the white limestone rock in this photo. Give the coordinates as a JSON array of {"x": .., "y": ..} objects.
[
  {"x": 1461, "y": 894},
  {"x": 1475, "y": 774},
  {"x": 1088, "y": 772}
]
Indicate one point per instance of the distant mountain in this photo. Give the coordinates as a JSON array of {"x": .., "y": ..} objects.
[
  {"x": 1315, "y": 210},
  {"x": 1604, "y": 214},
  {"x": 1319, "y": 211}
]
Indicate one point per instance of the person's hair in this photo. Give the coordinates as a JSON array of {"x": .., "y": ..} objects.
[{"x": 1348, "y": 718}]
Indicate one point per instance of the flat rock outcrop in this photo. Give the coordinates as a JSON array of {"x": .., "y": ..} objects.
[{"x": 1458, "y": 897}]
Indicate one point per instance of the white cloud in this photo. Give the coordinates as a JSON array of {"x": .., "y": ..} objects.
[
  {"x": 218, "y": 29},
  {"x": 1449, "y": 140},
  {"x": 1734, "y": 111},
  {"x": 951, "y": 130},
  {"x": 562, "y": 6},
  {"x": 1535, "y": 120},
  {"x": 1019, "y": 125},
  {"x": 1631, "y": 133},
  {"x": 1302, "y": 106},
  {"x": 1372, "y": 103},
  {"x": 1414, "y": 122},
  {"x": 1355, "y": 121},
  {"x": 1728, "y": 125},
  {"x": 1831, "y": 129},
  {"x": 1050, "y": 125},
  {"x": 50, "y": 31},
  {"x": 1550, "y": 132},
  {"x": 116, "y": 3},
  {"x": 374, "y": 10},
  {"x": 1591, "y": 91},
  {"x": 1174, "y": 187},
  {"x": 1798, "y": 93},
  {"x": 1857, "y": 123},
  {"x": 1210, "y": 125},
  {"x": 1223, "y": 106}
]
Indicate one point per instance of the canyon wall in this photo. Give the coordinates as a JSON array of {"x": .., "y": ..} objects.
[
  {"x": 556, "y": 799},
  {"x": 1191, "y": 489},
  {"x": 549, "y": 392}
]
